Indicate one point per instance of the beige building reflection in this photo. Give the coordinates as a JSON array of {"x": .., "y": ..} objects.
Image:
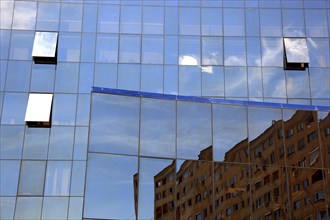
[{"x": 278, "y": 175}]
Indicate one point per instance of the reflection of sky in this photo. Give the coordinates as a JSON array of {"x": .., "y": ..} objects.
[{"x": 24, "y": 15}]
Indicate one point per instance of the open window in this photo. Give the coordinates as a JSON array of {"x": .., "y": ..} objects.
[
  {"x": 39, "y": 110},
  {"x": 295, "y": 54},
  {"x": 45, "y": 47}
]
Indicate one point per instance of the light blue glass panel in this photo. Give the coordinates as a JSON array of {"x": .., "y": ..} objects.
[
  {"x": 316, "y": 23},
  {"x": 6, "y": 13},
  {"x": 66, "y": 80},
  {"x": 83, "y": 107},
  {"x": 61, "y": 143},
  {"x": 171, "y": 50},
  {"x": 272, "y": 51},
  {"x": 107, "y": 48},
  {"x": 171, "y": 20},
  {"x": 149, "y": 169},
  {"x": 86, "y": 77},
  {"x": 293, "y": 23},
  {"x": 212, "y": 81},
  {"x": 152, "y": 49},
  {"x": 48, "y": 16},
  {"x": 293, "y": 4},
  {"x": 320, "y": 82},
  {"x": 129, "y": 76},
  {"x": 171, "y": 80},
  {"x": 108, "y": 18},
  {"x": 190, "y": 80},
  {"x": 152, "y": 78},
  {"x": 253, "y": 51},
  {"x": 69, "y": 47},
  {"x": 14, "y": 106},
  {"x": 252, "y": 22},
  {"x": 3, "y": 72},
  {"x": 318, "y": 49},
  {"x": 212, "y": 51},
  {"x": 130, "y": 19},
  {"x": 194, "y": 3},
  {"x": 80, "y": 143},
  {"x": 21, "y": 45},
  {"x": 235, "y": 82},
  {"x": 28, "y": 208},
  {"x": 42, "y": 79},
  {"x": 32, "y": 178},
  {"x": 4, "y": 44},
  {"x": 114, "y": 124},
  {"x": 194, "y": 131},
  {"x": 189, "y": 21},
  {"x": 270, "y": 3},
  {"x": 18, "y": 76},
  {"x": 87, "y": 47},
  {"x": 75, "y": 208},
  {"x": 105, "y": 75},
  {"x": 25, "y": 15},
  {"x": 64, "y": 109},
  {"x": 189, "y": 50},
  {"x": 11, "y": 142},
  {"x": 89, "y": 18},
  {"x": 233, "y": 3},
  {"x": 274, "y": 83},
  {"x": 129, "y": 51},
  {"x": 71, "y": 17},
  {"x": 157, "y": 129},
  {"x": 153, "y": 20},
  {"x": 7, "y": 205},
  {"x": 233, "y": 22},
  {"x": 57, "y": 179},
  {"x": 36, "y": 143},
  {"x": 78, "y": 178},
  {"x": 211, "y": 3},
  {"x": 270, "y": 22},
  {"x": 55, "y": 208},
  {"x": 255, "y": 82},
  {"x": 154, "y": 2},
  {"x": 9, "y": 177},
  {"x": 297, "y": 83},
  {"x": 234, "y": 55},
  {"x": 110, "y": 191}
]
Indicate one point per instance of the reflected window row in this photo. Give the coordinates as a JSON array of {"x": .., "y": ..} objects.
[{"x": 185, "y": 20}]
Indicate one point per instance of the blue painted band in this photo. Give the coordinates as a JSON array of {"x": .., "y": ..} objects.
[{"x": 208, "y": 100}]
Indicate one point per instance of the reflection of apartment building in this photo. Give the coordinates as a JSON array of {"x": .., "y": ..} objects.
[{"x": 277, "y": 177}]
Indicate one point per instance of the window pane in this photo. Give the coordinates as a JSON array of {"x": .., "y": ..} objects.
[
  {"x": 272, "y": 51},
  {"x": 9, "y": 177},
  {"x": 190, "y": 80},
  {"x": 87, "y": 47},
  {"x": 293, "y": 23},
  {"x": 11, "y": 142},
  {"x": 6, "y": 13},
  {"x": 80, "y": 143},
  {"x": 61, "y": 143},
  {"x": 66, "y": 80},
  {"x": 129, "y": 76},
  {"x": 152, "y": 49},
  {"x": 212, "y": 81},
  {"x": 5, "y": 39},
  {"x": 28, "y": 208},
  {"x": 115, "y": 186},
  {"x": 153, "y": 20},
  {"x": 83, "y": 107},
  {"x": 316, "y": 23},
  {"x": 21, "y": 45},
  {"x": 64, "y": 109},
  {"x": 57, "y": 180},
  {"x": 69, "y": 47},
  {"x": 270, "y": 22},
  {"x": 252, "y": 22},
  {"x": 234, "y": 22},
  {"x": 18, "y": 76},
  {"x": 189, "y": 21},
  {"x": 71, "y": 17},
  {"x": 235, "y": 82},
  {"x": 55, "y": 208},
  {"x": 114, "y": 124},
  {"x": 233, "y": 54},
  {"x": 48, "y": 16},
  {"x": 171, "y": 80},
  {"x": 36, "y": 143},
  {"x": 90, "y": 17},
  {"x": 108, "y": 19},
  {"x": 253, "y": 51},
  {"x": 171, "y": 50},
  {"x": 78, "y": 178},
  {"x": 319, "y": 50},
  {"x": 129, "y": 49},
  {"x": 105, "y": 75},
  {"x": 32, "y": 178},
  {"x": 320, "y": 82},
  {"x": 130, "y": 19},
  {"x": 255, "y": 82},
  {"x": 7, "y": 204},
  {"x": 189, "y": 50},
  {"x": 42, "y": 79},
  {"x": 171, "y": 20},
  {"x": 107, "y": 48},
  {"x": 39, "y": 108},
  {"x": 212, "y": 51},
  {"x": 75, "y": 208},
  {"x": 152, "y": 78},
  {"x": 296, "y": 50},
  {"x": 14, "y": 106},
  {"x": 86, "y": 77},
  {"x": 212, "y": 21},
  {"x": 21, "y": 20},
  {"x": 274, "y": 83}
]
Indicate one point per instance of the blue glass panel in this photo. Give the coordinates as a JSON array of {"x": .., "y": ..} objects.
[
  {"x": 36, "y": 143},
  {"x": 171, "y": 50},
  {"x": 130, "y": 19},
  {"x": 69, "y": 47},
  {"x": 270, "y": 3},
  {"x": 107, "y": 48},
  {"x": 114, "y": 124},
  {"x": 9, "y": 177},
  {"x": 171, "y": 80},
  {"x": 319, "y": 52},
  {"x": 48, "y": 16},
  {"x": 212, "y": 21},
  {"x": 189, "y": 50},
  {"x": 28, "y": 208},
  {"x": 129, "y": 51},
  {"x": 153, "y": 20},
  {"x": 233, "y": 53},
  {"x": 14, "y": 106},
  {"x": 80, "y": 143},
  {"x": 11, "y": 142},
  {"x": 3, "y": 72},
  {"x": 152, "y": 49},
  {"x": 21, "y": 10},
  {"x": 129, "y": 76},
  {"x": 21, "y": 45},
  {"x": 83, "y": 107},
  {"x": 32, "y": 178},
  {"x": 252, "y": 22},
  {"x": 234, "y": 22},
  {"x": 86, "y": 77},
  {"x": 190, "y": 82},
  {"x": 212, "y": 81},
  {"x": 212, "y": 51},
  {"x": 55, "y": 208},
  {"x": 253, "y": 49},
  {"x": 61, "y": 143},
  {"x": 18, "y": 76},
  {"x": 171, "y": 20},
  {"x": 152, "y": 78},
  {"x": 71, "y": 17},
  {"x": 75, "y": 208},
  {"x": 42, "y": 79},
  {"x": 189, "y": 21},
  {"x": 274, "y": 83},
  {"x": 194, "y": 3},
  {"x": 272, "y": 51},
  {"x": 255, "y": 82},
  {"x": 270, "y": 22},
  {"x": 64, "y": 109},
  {"x": 4, "y": 44},
  {"x": 108, "y": 18},
  {"x": 211, "y": 3},
  {"x": 6, "y": 14},
  {"x": 78, "y": 178},
  {"x": 66, "y": 80},
  {"x": 233, "y": 3},
  {"x": 320, "y": 82},
  {"x": 298, "y": 84},
  {"x": 235, "y": 82},
  {"x": 293, "y": 4},
  {"x": 293, "y": 23},
  {"x": 7, "y": 205},
  {"x": 87, "y": 47},
  {"x": 89, "y": 18},
  {"x": 57, "y": 180},
  {"x": 105, "y": 75}
]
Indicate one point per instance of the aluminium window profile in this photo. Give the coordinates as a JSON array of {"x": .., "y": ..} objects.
[
  {"x": 45, "y": 47},
  {"x": 296, "y": 55},
  {"x": 39, "y": 110}
]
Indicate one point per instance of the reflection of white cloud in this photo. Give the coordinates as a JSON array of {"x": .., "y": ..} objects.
[
  {"x": 271, "y": 51},
  {"x": 25, "y": 15},
  {"x": 6, "y": 9},
  {"x": 207, "y": 69},
  {"x": 188, "y": 60},
  {"x": 235, "y": 61}
]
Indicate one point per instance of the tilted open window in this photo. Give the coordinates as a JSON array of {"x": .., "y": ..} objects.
[
  {"x": 295, "y": 54},
  {"x": 45, "y": 47},
  {"x": 39, "y": 110}
]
